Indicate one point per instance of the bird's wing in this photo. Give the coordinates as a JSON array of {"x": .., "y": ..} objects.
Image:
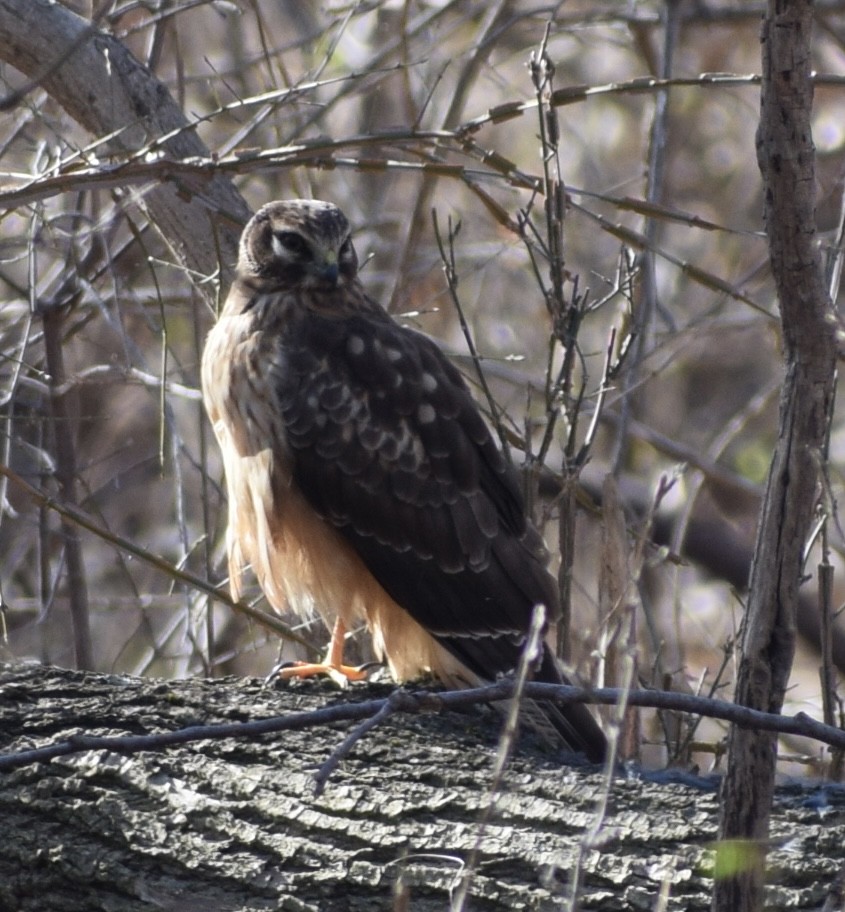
[{"x": 390, "y": 448}]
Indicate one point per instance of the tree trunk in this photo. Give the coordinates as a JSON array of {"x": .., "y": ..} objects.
[
  {"x": 786, "y": 157},
  {"x": 235, "y": 825}
]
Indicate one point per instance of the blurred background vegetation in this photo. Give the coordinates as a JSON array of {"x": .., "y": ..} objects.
[{"x": 662, "y": 240}]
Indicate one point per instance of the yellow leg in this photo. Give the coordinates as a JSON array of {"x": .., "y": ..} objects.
[{"x": 332, "y": 665}]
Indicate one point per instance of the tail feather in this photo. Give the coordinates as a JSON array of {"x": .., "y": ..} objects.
[{"x": 572, "y": 723}]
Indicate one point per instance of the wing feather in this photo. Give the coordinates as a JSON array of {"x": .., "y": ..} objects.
[{"x": 390, "y": 448}]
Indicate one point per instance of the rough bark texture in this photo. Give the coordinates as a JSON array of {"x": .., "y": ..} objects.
[
  {"x": 786, "y": 157},
  {"x": 234, "y": 824},
  {"x": 106, "y": 90}
]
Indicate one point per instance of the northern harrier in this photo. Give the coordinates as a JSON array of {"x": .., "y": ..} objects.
[{"x": 363, "y": 483}]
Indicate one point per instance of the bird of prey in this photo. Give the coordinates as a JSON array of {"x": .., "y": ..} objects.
[{"x": 363, "y": 483}]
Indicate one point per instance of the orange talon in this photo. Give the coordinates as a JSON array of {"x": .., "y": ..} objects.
[
  {"x": 332, "y": 666},
  {"x": 342, "y": 674}
]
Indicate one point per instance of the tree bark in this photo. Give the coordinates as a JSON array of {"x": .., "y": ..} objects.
[
  {"x": 786, "y": 157},
  {"x": 234, "y": 824}
]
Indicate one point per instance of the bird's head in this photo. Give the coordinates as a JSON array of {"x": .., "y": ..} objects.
[{"x": 298, "y": 243}]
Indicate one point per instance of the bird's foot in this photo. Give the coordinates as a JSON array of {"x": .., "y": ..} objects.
[{"x": 341, "y": 674}]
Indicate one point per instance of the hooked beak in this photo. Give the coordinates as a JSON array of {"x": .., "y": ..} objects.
[{"x": 328, "y": 271}]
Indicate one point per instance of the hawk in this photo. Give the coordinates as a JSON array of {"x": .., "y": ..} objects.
[{"x": 363, "y": 483}]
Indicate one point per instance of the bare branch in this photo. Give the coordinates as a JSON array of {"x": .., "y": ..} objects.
[
  {"x": 199, "y": 216},
  {"x": 426, "y": 701}
]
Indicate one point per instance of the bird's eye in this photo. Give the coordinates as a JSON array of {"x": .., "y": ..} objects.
[
  {"x": 347, "y": 258},
  {"x": 290, "y": 243}
]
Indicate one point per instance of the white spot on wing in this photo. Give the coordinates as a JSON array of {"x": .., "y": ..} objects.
[
  {"x": 429, "y": 382},
  {"x": 426, "y": 414},
  {"x": 355, "y": 345}
]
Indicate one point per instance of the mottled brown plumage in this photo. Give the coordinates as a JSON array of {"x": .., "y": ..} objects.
[{"x": 363, "y": 483}]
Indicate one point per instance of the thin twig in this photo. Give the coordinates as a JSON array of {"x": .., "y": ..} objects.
[
  {"x": 64, "y": 430},
  {"x": 507, "y": 744},
  {"x": 649, "y": 306},
  {"x": 77, "y": 517},
  {"x": 447, "y": 256},
  {"x": 344, "y": 749}
]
